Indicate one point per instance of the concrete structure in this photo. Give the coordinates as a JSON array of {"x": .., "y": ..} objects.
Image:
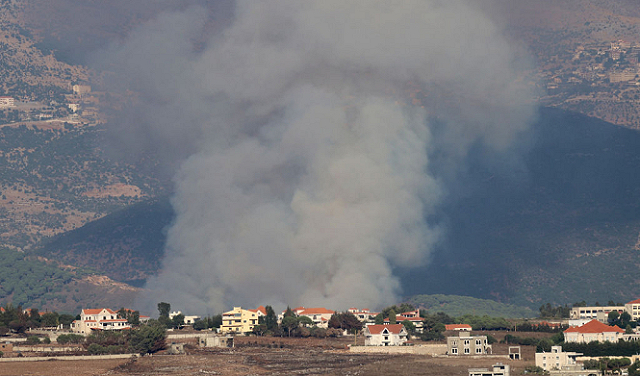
[
  {"x": 465, "y": 344},
  {"x": 81, "y": 89},
  {"x": 558, "y": 360},
  {"x": 458, "y": 327},
  {"x": 98, "y": 319},
  {"x": 176, "y": 348},
  {"x": 593, "y": 331},
  {"x": 238, "y": 321},
  {"x": 594, "y": 313},
  {"x": 215, "y": 341},
  {"x": 498, "y": 370},
  {"x": 515, "y": 353},
  {"x": 385, "y": 335},
  {"x": 188, "y": 320},
  {"x": 7, "y": 102}
]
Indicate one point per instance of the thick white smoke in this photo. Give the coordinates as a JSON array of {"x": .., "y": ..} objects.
[{"x": 304, "y": 170}]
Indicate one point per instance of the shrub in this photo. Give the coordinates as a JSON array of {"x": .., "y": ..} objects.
[
  {"x": 70, "y": 338},
  {"x": 33, "y": 340},
  {"x": 96, "y": 349}
]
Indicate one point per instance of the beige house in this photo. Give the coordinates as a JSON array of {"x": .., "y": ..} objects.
[
  {"x": 558, "y": 360},
  {"x": 593, "y": 331},
  {"x": 633, "y": 309},
  {"x": 594, "y": 313},
  {"x": 98, "y": 319},
  {"x": 466, "y": 344},
  {"x": 238, "y": 321}
]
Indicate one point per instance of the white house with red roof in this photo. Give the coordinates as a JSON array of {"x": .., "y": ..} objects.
[
  {"x": 385, "y": 335},
  {"x": 260, "y": 311},
  {"x": 319, "y": 316},
  {"x": 98, "y": 319},
  {"x": 593, "y": 331},
  {"x": 364, "y": 314},
  {"x": 411, "y": 316}
]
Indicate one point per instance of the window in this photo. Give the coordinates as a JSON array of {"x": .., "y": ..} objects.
[
  {"x": 466, "y": 342},
  {"x": 454, "y": 351},
  {"x": 478, "y": 342},
  {"x": 466, "y": 351},
  {"x": 478, "y": 350}
]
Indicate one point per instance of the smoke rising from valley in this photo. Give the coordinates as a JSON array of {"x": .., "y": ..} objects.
[{"x": 305, "y": 171}]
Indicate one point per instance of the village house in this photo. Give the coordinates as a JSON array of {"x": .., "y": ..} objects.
[
  {"x": 558, "y": 360},
  {"x": 633, "y": 309},
  {"x": 497, "y": 370},
  {"x": 319, "y": 316},
  {"x": 582, "y": 315},
  {"x": 465, "y": 344},
  {"x": 411, "y": 316},
  {"x": 238, "y": 321},
  {"x": 593, "y": 331},
  {"x": 188, "y": 320},
  {"x": 458, "y": 327},
  {"x": 7, "y": 102},
  {"x": 260, "y": 311},
  {"x": 364, "y": 315},
  {"x": 98, "y": 319},
  {"x": 385, "y": 335}
]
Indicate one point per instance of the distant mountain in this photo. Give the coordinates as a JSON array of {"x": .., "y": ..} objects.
[
  {"x": 562, "y": 228},
  {"x": 126, "y": 245}
]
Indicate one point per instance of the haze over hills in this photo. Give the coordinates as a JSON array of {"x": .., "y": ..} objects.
[{"x": 557, "y": 224}]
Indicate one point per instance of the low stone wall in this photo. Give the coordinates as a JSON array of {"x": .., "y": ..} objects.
[
  {"x": 435, "y": 349},
  {"x": 188, "y": 335},
  {"x": 68, "y": 357},
  {"x": 46, "y": 348}
]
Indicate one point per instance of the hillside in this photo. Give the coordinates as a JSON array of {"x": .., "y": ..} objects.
[
  {"x": 454, "y": 305},
  {"x": 562, "y": 228}
]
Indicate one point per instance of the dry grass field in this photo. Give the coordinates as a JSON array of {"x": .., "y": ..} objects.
[{"x": 271, "y": 356}]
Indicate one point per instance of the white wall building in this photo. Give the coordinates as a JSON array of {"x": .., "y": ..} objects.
[
  {"x": 98, "y": 319},
  {"x": 593, "y": 331},
  {"x": 385, "y": 335},
  {"x": 558, "y": 360}
]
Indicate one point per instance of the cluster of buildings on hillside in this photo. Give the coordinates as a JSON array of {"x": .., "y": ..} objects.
[{"x": 616, "y": 62}]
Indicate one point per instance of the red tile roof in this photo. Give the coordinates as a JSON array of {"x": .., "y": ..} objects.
[
  {"x": 95, "y": 311},
  {"x": 377, "y": 329},
  {"x": 457, "y": 326},
  {"x": 402, "y": 318},
  {"x": 594, "y": 326},
  {"x": 315, "y": 311},
  {"x": 637, "y": 301}
]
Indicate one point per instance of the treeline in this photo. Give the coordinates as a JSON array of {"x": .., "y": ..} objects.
[
  {"x": 25, "y": 281},
  {"x": 621, "y": 348},
  {"x": 17, "y": 320}
]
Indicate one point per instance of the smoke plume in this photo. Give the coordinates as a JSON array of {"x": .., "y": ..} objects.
[{"x": 303, "y": 157}]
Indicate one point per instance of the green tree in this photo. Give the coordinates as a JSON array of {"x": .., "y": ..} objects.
[
  {"x": 289, "y": 323},
  {"x": 613, "y": 316},
  {"x": 164, "y": 309},
  {"x": 270, "y": 319},
  {"x": 392, "y": 317},
  {"x": 177, "y": 321},
  {"x": 148, "y": 338},
  {"x": 305, "y": 321},
  {"x": 410, "y": 328}
]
